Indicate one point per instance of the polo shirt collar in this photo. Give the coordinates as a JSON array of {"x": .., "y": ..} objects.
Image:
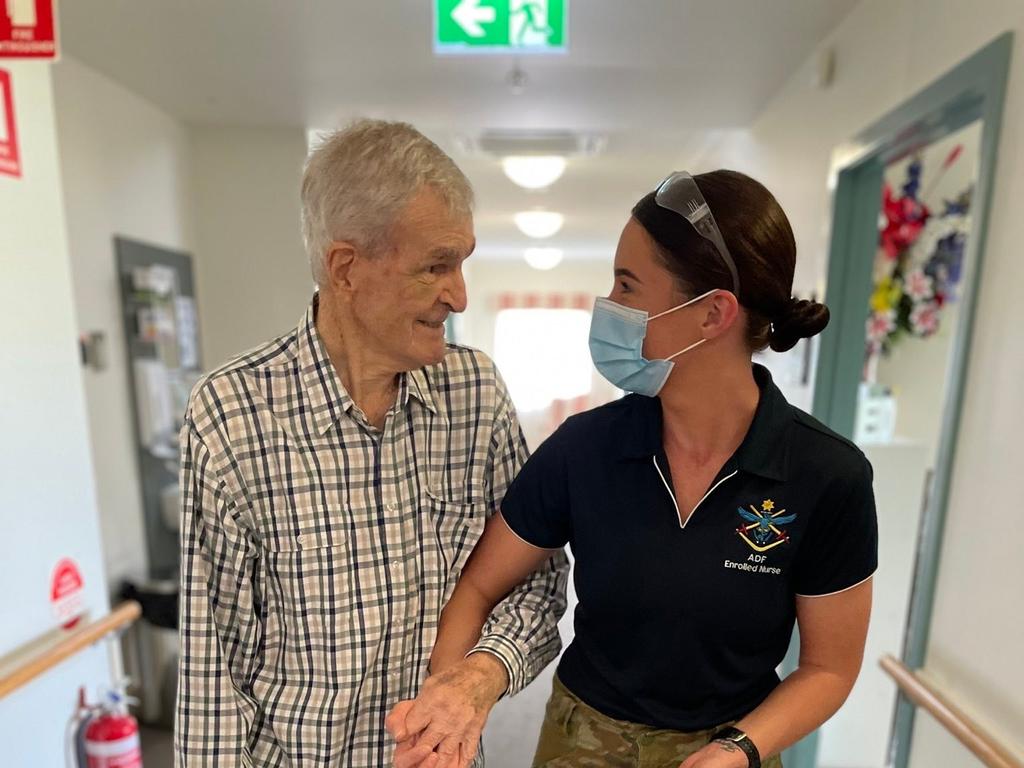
[{"x": 764, "y": 451}]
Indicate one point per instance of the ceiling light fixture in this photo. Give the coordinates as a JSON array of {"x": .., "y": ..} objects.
[
  {"x": 543, "y": 258},
  {"x": 539, "y": 224},
  {"x": 534, "y": 171}
]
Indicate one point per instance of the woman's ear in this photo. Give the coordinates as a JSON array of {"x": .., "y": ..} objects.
[{"x": 722, "y": 314}]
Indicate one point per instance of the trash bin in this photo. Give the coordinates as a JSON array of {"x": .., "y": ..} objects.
[{"x": 152, "y": 650}]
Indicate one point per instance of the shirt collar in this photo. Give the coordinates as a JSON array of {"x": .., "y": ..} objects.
[
  {"x": 417, "y": 384},
  {"x": 764, "y": 451},
  {"x": 328, "y": 398}
]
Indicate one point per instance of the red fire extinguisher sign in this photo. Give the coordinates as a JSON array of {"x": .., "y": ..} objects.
[
  {"x": 66, "y": 587},
  {"x": 28, "y": 29}
]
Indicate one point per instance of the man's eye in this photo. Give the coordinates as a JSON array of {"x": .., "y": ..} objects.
[{"x": 438, "y": 269}]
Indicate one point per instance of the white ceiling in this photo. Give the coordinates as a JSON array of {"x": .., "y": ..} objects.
[{"x": 657, "y": 77}]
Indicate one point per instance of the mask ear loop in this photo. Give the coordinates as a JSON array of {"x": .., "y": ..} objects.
[
  {"x": 684, "y": 351},
  {"x": 683, "y": 306}
]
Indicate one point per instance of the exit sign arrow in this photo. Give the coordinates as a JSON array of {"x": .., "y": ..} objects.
[{"x": 469, "y": 15}]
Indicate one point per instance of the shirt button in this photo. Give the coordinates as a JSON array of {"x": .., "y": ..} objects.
[
  {"x": 301, "y": 538},
  {"x": 389, "y": 507}
]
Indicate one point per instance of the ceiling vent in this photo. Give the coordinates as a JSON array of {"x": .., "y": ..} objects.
[{"x": 507, "y": 143}]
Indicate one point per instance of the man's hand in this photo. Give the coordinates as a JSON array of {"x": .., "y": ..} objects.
[
  {"x": 448, "y": 716},
  {"x": 717, "y": 754},
  {"x": 409, "y": 753}
]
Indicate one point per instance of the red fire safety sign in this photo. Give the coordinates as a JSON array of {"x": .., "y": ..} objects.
[
  {"x": 28, "y": 29},
  {"x": 10, "y": 163}
]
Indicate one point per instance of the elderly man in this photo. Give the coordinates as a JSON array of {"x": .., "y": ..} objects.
[{"x": 335, "y": 480}]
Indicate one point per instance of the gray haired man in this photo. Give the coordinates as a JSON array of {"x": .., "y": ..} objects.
[{"x": 335, "y": 480}]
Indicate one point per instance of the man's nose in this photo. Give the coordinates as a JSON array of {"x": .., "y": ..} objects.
[{"x": 455, "y": 292}]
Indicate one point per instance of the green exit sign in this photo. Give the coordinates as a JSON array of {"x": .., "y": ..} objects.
[{"x": 500, "y": 26}]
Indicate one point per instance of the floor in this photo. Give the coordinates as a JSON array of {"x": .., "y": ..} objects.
[{"x": 157, "y": 747}]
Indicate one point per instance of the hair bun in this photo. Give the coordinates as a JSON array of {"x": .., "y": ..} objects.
[{"x": 799, "y": 319}]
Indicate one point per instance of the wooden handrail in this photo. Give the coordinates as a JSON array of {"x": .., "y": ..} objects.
[
  {"x": 984, "y": 746},
  {"x": 35, "y": 662}
]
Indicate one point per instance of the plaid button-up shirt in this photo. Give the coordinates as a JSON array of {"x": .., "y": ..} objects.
[{"x": 318, "y": 551}]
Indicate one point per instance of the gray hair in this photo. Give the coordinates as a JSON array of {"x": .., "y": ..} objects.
[{"x": 360, "y": 178}]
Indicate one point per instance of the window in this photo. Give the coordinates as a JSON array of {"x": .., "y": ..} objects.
[{"x": 544, "y": 355}]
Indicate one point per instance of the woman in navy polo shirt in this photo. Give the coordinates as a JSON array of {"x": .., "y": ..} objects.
[{"x": 706, "y": 514}]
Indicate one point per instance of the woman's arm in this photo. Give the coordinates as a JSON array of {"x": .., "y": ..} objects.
[
  {"x": 833, "y": 630},
  {"x": 499, "y": 562}
]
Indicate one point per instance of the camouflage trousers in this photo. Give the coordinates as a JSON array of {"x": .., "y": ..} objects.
[{"x": 575, "y": 735}]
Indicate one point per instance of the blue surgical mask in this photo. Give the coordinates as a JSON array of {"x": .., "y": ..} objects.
[{"x": 617, "y": 343}]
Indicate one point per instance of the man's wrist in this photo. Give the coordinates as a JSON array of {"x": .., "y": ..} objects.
[
  {"x": 493, "y": 668},
  {"x": 508, "y": 653}
]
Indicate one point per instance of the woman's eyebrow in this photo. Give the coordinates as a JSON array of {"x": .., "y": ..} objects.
[{"x": 622, "y": 272}]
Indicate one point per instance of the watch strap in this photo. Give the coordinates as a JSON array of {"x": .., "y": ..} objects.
[{"x": 741, "y": 740}]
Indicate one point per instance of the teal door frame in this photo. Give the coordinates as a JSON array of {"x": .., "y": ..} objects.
[{"x": 973, "y": 90}]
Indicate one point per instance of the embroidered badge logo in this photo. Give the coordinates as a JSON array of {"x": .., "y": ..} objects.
[{"x": 762, "y": 528}]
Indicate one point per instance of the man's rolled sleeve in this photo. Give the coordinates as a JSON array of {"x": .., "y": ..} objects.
[{"x": 522, "y": 631}]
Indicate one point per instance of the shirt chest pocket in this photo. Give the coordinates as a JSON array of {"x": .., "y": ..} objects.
[{"x": 308, "y": 570}]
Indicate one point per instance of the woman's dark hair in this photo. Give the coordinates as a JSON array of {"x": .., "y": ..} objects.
[{"x": 760, "y": 241}]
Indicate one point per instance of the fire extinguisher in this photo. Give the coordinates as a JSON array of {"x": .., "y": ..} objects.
[{"x": 112, "y": 736}]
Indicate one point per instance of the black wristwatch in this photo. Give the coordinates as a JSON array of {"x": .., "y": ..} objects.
[{"x": 741, "y": 740}]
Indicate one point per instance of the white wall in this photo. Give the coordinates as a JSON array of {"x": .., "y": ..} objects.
[
  {"x": 125, "y": 169},
  {"x": 47, "y": 496},
  {"x": 228, "y": 196},
  {"x": 254, "y": 280},
  {"x": 886, "y": 51}
]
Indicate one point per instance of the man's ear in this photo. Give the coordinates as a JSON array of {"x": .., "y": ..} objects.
[
  {"x": 723, "y": 312},
  {"x": 339, "y": 262}
]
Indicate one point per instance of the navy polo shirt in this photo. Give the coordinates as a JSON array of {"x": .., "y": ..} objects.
[{"x": 682, "y": 626}]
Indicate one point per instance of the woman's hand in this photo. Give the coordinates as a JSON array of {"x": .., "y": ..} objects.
[{"x": 717, "y": 754}]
